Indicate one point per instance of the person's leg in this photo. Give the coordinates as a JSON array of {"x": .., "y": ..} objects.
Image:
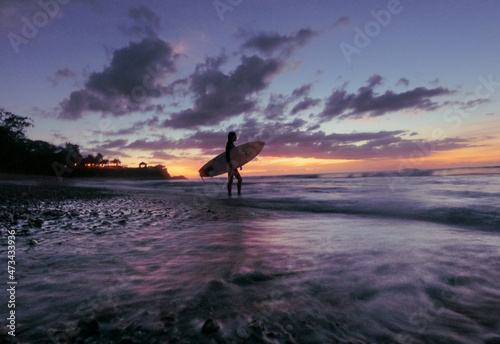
[
  {"x": 240, "y": 180},
  {"x": 230, "y": 183}
]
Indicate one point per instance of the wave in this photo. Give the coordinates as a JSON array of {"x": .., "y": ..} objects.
[
  {"x": 466, "y": 217},
  {"x": 410, "y": 172},
  {"x": 441, "y": 196},
  {"x": 302, "y": 176}
]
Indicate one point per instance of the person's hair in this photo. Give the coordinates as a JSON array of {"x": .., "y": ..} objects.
[{"x": 231, "y": 134}]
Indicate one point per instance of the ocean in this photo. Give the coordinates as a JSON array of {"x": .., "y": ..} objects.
[
  {"x": 463, "y": 197},
  {"x": 382, "y": 257}
]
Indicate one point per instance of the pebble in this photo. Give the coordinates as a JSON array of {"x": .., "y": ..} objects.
[
  {"x": 210, "y": 327},
  {"x": 169, "y": 320},
  {"x": 38, "y": 222}
]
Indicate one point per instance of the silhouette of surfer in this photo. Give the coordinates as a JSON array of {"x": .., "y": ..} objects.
[{"x": 233, "y": 170}]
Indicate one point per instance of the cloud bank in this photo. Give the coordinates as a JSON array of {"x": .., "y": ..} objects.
[
  {"x": 366, "y": 103},
  {"x": 134, "y": 77}
]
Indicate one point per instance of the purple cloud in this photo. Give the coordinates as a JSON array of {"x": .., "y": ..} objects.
[
  {"x": 219, "y": 96},
  {"x": 366, "y": 102},
  {"x": 114, "y": 144},
  {"x": 269, "y": 42},
  {"x": 403, "y": 81},
  {"x": 305, "y": 104},
  {"x": 133, "y": 77},
  {"x": 144, "y": 22}
]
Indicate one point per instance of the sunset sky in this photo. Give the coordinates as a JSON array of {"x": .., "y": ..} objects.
[{"x": 330, "y": 86}]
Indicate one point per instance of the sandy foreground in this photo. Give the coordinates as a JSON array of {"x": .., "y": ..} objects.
[
  {"x": 57, "y": 224},
  {"x": 102, "y": 265}
]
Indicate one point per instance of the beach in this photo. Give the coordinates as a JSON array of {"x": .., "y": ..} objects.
[{"x": 301, "y": 259}]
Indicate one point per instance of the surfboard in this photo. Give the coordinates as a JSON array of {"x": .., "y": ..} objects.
[{"x": 239, "y": 155}]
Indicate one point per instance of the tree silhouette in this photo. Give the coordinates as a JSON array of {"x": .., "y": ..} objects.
[
  {"x": 13, "y": 126},
  {"x": 18, "y": 154}
]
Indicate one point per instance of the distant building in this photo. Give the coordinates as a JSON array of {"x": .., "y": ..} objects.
[{"x": 143, "y": 165}]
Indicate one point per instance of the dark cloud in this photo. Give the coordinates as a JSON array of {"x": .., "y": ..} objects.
[
  {"x": 366, "y": 102},
  {"x": 158, "y": 145},
  {"x": 305, "y": 104},
  {"x": 136, "y": 65},
  {"x": 134, "y": 128},
  {"x": 275, "y": 109},
  {"x": 144, "y": 22},
  {"x": 374, "y": 80},
  {"x": 302, "y": 91},
  {"x": 61, "y": 75},
  {"x": 210, "y": 142},
  {"x": 179, "y": 88},
  {"x": 134, "y": 76},
  {"x": 403, "y": 81},
  {"x": 72, "y": 108},
  {"x": 295, "y": 124},
  {"x": 60, "y": 137},
  {"x": 472, "y": 104},
  {"x": 219, "y": 96},
  {"x": 278, "y": 103},
  {"x": 65, "y": 73},
  {"x": 114, "y": 144},
  {"x": 342, "y": 22},
  {"x": 268, "y": 43},
  {"x": 106, "y": 153},
  {"x": 434, "y": 82}
]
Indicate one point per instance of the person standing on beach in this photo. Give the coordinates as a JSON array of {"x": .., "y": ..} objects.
[{"x": 233, "y": 170}]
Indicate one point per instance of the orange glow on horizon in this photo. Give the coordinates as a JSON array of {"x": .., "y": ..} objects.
[
  {"x": 285, "y": 166},
  {"x": 481, "y": 155}
]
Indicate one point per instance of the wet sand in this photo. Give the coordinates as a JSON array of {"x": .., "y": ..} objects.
[{"x": 73, "y": 285}]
